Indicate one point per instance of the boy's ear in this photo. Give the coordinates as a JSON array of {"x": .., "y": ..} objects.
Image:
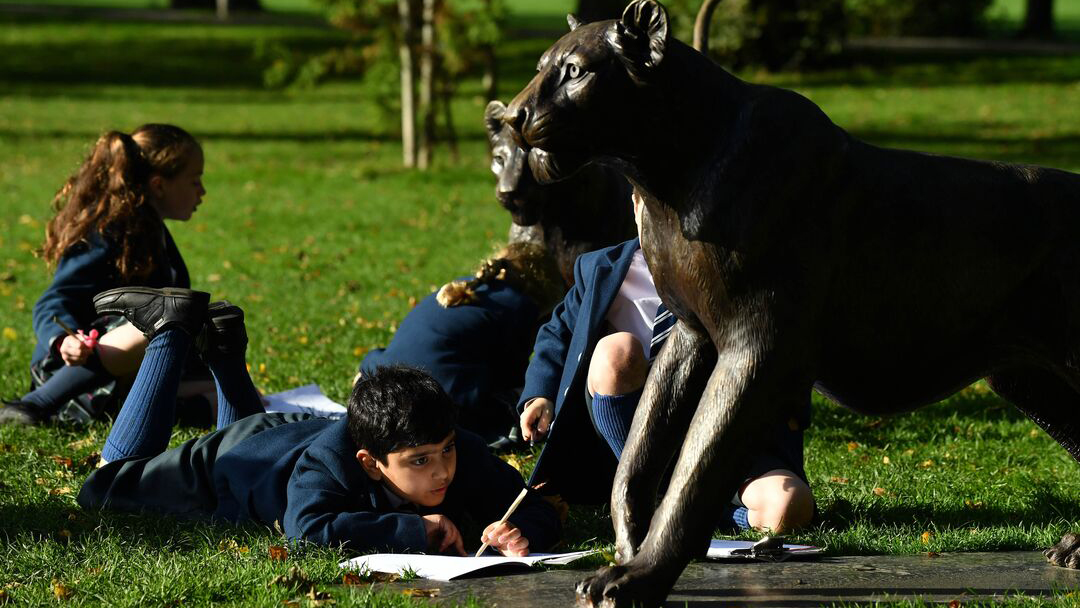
[{"x": 369, "y": 464}]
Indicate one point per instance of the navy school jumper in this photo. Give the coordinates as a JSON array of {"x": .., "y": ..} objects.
[
  {"x": 575, "y": 460},
  {"x": 477, "y": 352},
  {"x": 302, "y": 472}
]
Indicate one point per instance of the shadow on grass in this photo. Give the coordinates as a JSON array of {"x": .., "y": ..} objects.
[
  {"x": 147, "y": 55},
  {"x": 1048, "y": 509}
]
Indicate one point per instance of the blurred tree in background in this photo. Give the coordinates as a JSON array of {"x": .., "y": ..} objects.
[{"x": 413, "y": 53}]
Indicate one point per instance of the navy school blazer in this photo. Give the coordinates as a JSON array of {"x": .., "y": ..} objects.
[
  {"x": 575, "y": 458},
  {"x": 85, "y": 270},
  {"x": 302, "y": 472}
]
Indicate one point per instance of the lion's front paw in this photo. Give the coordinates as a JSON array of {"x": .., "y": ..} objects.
[
  {"x": 1066, "y": 553},
  {"x": 620, "y": 587}
]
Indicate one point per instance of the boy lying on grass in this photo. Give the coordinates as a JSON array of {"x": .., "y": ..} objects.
[{"x": 385, "y": 477}]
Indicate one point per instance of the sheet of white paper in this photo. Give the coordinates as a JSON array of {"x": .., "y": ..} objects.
[
  {"x": 447, "y": 567},
  {"x": 307, "y": 399},
  {"x": 722, "y": 549}
]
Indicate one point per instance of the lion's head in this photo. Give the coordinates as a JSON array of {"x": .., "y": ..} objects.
[
  {"x": 578, "y": 105},
  {"x": 515, "y": 187}
]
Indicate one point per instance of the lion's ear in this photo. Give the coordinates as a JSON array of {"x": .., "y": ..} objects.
[
  {"x": 493, "y": 115},
  {"x": 642, "y": 34},
  {"x": 573, "y": 22}
]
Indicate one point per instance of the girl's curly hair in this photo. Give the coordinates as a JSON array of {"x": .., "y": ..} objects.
[
  {"x": 109, "y": 194},
  {"x": 525, "y": 266}
]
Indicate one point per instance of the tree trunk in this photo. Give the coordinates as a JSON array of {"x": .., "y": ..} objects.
[
  {"x": 701, "y": 25},
  {"x": 212, "y": 5},
  {"x": 490, "y": 79},
  {"x": 408, "y": 77},
  {"x": 427, "y": 83},
  {"x": 446, "y": 95},
  {"x": 596, "y": 10},
  {"x": 1038, "y": 20}
]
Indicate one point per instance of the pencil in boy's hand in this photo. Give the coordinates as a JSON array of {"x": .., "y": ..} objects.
[{"x": 509, "y": 512}]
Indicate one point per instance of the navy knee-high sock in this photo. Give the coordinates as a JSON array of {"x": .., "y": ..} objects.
[
  {"x": 612, "y": 415},
  {"x": 145, "y": 422},
  {"x": 236, "y": 394},
  {"x": 67, "y": 383}
]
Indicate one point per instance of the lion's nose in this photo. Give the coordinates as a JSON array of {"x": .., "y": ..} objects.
[{"x": 516, "y": 116}]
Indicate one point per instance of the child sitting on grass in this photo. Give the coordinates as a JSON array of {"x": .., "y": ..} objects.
[
  {"x": 109, "y": 231},
  {"x": 394, "y": 474},
  {"x": 475, "y": 335}
]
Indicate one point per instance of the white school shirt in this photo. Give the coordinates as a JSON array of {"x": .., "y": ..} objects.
[{"x": 634, "y": 308}]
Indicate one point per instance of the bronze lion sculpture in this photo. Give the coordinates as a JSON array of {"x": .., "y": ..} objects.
[
  {"x": 796, "y": 257},
  {"x": 586, "y": 212}
]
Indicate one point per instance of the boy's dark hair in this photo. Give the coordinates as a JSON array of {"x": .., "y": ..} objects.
[{"x": 398, "y": 407}]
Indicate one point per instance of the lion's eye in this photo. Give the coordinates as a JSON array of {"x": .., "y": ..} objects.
[{"x": 573, "y": 70}]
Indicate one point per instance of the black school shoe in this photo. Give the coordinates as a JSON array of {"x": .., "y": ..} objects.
[
  {"x": 224, "y": 331},
  {"x": 153, "y": 310},
  {"x": 24, "y": 413}
]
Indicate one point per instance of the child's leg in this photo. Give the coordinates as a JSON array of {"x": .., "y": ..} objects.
[
  {"x": 67, "y": 383},
  {"x": 145, "y": 421},
  {"x": 223, "y": 351},
  {"x": 778, "y": 501},
  {"x": 617, "y": 373}
]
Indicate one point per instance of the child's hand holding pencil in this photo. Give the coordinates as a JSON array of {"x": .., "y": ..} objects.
[{"x": 76, "y": 347}]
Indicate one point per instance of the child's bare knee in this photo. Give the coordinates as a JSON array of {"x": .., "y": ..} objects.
[
  {"x": 780, "y": 503},
  {"x": 618, "y": 365}
]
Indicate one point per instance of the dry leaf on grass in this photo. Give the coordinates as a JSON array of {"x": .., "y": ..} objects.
[
  {"x": 60, "y": 590},
  {"x": 83, "y": 443},
  {"x": 61, "y": 491},
  {"x": 840, "y": 480},
  {"x": 63, "y": 461},
  {"x": 278, "y": 554},
  {"x": 414, "y": 592},
  {"x": 852, "y": 446},
  {"x": 879, "y": 491},
  {"x": 294, "y": 577},
  {"x": 926, "y": 537}
]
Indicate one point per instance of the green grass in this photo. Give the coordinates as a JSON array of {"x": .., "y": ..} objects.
[{"x": 313, "y": 227}]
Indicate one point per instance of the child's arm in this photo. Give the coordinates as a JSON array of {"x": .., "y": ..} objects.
[
  {"x": 489, "y": 486},
  {"x": 552, "y": 345},
  {"x": 329, "y": 503},
  {"x": 506, "y": 538},
  {"x": 80, "y": 275}
]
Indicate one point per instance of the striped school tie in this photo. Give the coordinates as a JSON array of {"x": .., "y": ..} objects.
[{"x": 662, "y": 326}]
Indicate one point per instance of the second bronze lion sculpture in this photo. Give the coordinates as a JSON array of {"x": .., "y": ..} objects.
[{"x": 796, "y": 256}]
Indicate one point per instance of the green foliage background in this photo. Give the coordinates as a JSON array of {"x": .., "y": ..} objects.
[{"x": 312, "y": 226}]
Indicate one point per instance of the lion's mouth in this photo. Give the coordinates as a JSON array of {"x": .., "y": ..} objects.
[{"x": 544, "y": 166}]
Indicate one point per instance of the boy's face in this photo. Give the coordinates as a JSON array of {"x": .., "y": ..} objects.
[{"x": 420, "y": 475}]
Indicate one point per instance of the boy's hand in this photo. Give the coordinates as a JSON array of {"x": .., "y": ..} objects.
[
  {"x": 442, "y": 534},
  {"x": 76, "y": 350},
  {"x": 536, "y": 418},
  {"x": 506, "y": 538}
]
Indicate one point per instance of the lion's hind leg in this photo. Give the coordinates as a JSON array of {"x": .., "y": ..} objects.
[{"x": 1053, "y": 403}]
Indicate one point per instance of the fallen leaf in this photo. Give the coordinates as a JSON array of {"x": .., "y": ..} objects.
[
  {"x": 413, "y": 592},
  {"x": 885, "y": 460},
  {"x": 294, "y": 577},
  {"x": 852, "y": 446},
  {"x": 82, "y": 443},
  {"x": 909, "y": 452},
  {"x": 926, "y": 464},
  {"x": 954, "y": 604},
  {"x": 278, "y": 554},
  {"x": 63, "y": 461},
  {"x": 60, "y": 590},
  {"x": 840, "y": 480},
  {"x": 1034, "y": 433},
  {"x": 61, "y": 491},
  {"x": 10, "y": 333},
  {"x": 879, "y": 491},
  {"x": 351, "y": 579},
  {"x": 932, "y": 554},
  {"x": 90, "y": 461},
  {"x": 231, "y": 546},
  {"x": 926, "y": 537}
]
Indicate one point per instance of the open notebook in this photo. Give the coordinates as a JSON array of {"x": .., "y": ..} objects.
[{"x": 448, "y": 567}]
